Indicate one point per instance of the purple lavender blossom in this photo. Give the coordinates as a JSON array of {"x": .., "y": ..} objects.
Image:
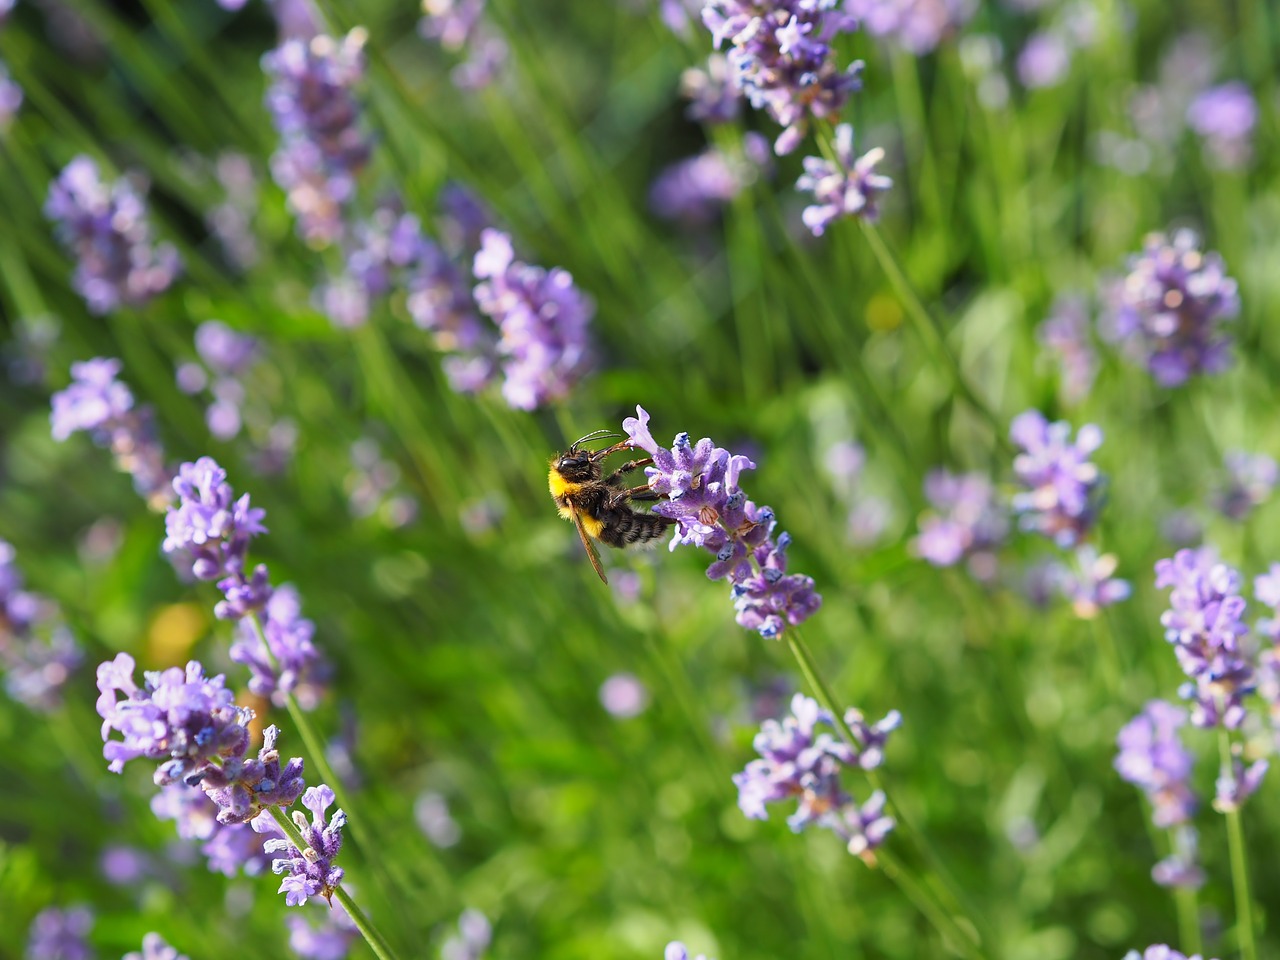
[
  {"x": 1225, "y": 116},
  {"x": 782, "y": 59},
  {"x": 695, "y": 189},
  {"x": 226, "y": 352},
  {"x": 1065, "y": 333},
  {"x": 1181, "y": 868},
  {"x": 678, "y": 951},
  {"x": 37, "y": 652},
  {"x": 123, "y": 866},
  {"x": 209, "y": 530},
  {"x": 918, "y": 26},
  {"x": 322, "y": 148},
  {"x": 472, "y": 939},
  {"x": 58, "y": 934},
  {"x": 450, "y": 22},
  {"x": 847, "y": 187},
  {"x": 1044, "y": 61},
  {"x": 624, "y": 696},
  {"x": 711, "y": 93},
  {"x": 376, "y": 251},
  {"x": 1159, "y": 951},
  {"x": 431, "y": 814},
  {"x": 329, "y": 939},
  {"x": 291, "y": 663},
  {"x": 1062, "y": 487},
  {"x": 965, "y": 522},
  {"x": 543, "y": 319},
  {"x": 244, "y": 788},
  {"x": 155, "y": 948},
  {"x": 1250, "y": 480},
  {"x": 1088, "y": 582},
  {"x": 1171, "y": 306},
  {"x": 228, "y": 848},
  {"x": 864, "y": 828},
  {"x": 310, "y": 872},
  {"x": 1237, "y": 783},
  {"x": 1153, "y": 758},
  {"x": 711, "y": 512},
  {"x": 460, "y": 26},
  {"x": 1204, "y": 623},
  {"x": 104, "y": 225},
  {"x": 185, "y": 720},
  {"x": 10, "y": 99}
]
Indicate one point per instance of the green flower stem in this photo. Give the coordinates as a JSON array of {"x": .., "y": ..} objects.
[
  {"x": 367, "y": 930},
  {"x": 928, "y": 330},
  {"x": 960, "y": 939},
  {"x": 1187, "y": 904},
  {"x": 1239, "y": 865},
  {"x": 968, "y": 935}
]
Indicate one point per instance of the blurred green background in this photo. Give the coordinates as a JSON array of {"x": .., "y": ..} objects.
[{"x": 471, "y": 642}]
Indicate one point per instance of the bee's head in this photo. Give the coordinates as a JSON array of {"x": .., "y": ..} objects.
[{"x": 577, "y": 465}]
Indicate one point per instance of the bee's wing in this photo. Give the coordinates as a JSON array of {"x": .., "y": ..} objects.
[{"x": 586, "y": 542}]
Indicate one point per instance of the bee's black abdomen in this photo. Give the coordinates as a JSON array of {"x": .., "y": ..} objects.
[{"x": 625, "y": 526}]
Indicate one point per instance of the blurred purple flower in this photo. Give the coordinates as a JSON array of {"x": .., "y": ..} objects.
[
  {"x": 291, "y": 663},
  {"x": 58, "y": 934},
  {"x": 1088, "y": 583},
  {"x": 1237, "y": 783},
  {"x": 228, "y": 848},
  {"x": 1159, "y": 952},
  {"x": 1181, "y": 868},
  {"x": 322, "y": 148},
  {"x": 1153, "y": 758},
  {"x": 543, "y": 320},
  {"x": 678, "y": 951},
  {"x": 1225, "y": 116},
  {"x": 310, "y": 872},
  {"x": 624, "y": 696},
  {"x": 1251, "y": 477},
  {"x": 1062, "y": 487},
  {"x": 329, "y": 939},
  {"x": 1045, "y": 60},
  {"x": 1204, "y": 624},
  {"x": 10, "y": 99},
  {"x": 711, "y": 93},
  {"x": 965, "y": 520},
  {"x": 153, "y": 945},
  {"x": 431, "y": 813},
  {"x": 848, "y": 187},
  {"x": 123, "y": 866},
  {"x": 231, "y": 221},
  {"x": 105, "y": 226},
  {"x": 1065, "y": 333},
  {"x": 694, "y": 189},
  {"x": 226, "y": 352},
  {"x": 460, "y": 26},
  {"x": 1171, "y": 306},
  {"x": 782, "y": 59},
  {"x": 918, "y": 26},
  {"x": 472, "y": 939},
  {"x": 37, "y": 652}
]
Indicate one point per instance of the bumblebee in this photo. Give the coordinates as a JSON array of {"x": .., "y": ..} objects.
[{"x": 600, "y": 506}]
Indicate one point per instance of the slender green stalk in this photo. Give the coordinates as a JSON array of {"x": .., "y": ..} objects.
[
  {"x": 928, "y": 329},
  {"x": 949, "y": 887},
  {"x": 960, "y": 939},
  {"x": 367, "y": 930},
  {"x": 1239, "y": 865},
  {"x": 1187, "y": 904}
]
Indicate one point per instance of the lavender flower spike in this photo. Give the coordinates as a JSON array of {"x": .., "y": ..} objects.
[
  {"x": 1152, "y": 757},
  {"x": 209, "y": 529},
  {"x": 104, "y": 225},
  {"x": 58, "y": 934},
  {"x": 847, "y": 187},
  {"x": 155, "y": 948},
  {"x": 1171, "y": 306},
  {"x": 1159, "y": 951},
  {"x": 309, "y": 872},
  {"x": 678, "y": 951},
  {"x": 1062, "y": 487}
]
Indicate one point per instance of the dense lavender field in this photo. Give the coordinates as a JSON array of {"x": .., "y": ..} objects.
[{"x": 966, "y": 643}]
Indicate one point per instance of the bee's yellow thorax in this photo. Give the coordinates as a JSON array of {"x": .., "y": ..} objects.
[{"x": 560, "y": 486}]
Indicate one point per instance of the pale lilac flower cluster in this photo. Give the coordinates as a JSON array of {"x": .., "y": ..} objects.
[
  {"x": 542, "y": 319},
  {"x": 711, "y": 92},
  {"x": 1159, "y": 951},
  {"x": 154, "y": 947},
  {"x": 322, "y": 148},
  {"x": 1062, "y": 486},
  {"x": 1205, "y": 625},
  {"x": 10, "y": 99},
  {"x": 105, "y": 226},
  {"x": 228, "y": 848},
  {"x": 700, "y": 483},
  {"x": 1152, "y": 757},
  {"x": 695, "y": 189},
  {"x": 1044, "y": 60},
  {"x": 329, "y": 939},
  {"x": 208, "y": 533},
  {"x": 460, "y": 26},
  {"x": 1065, "y": 334},
  {"x": 58, "y": 934},
  {"x": 965, "y": 522},
  {"x": 798, "y": 762},
  {"x": 1087, "y": 580},
  {"x": 431, "y": 814},
  {"x": 918, "y": 26},
  {"x": 97, "y": 403},
  {"x": 374, "y": 489},
  {"x": 1182, "y": 867},
  {"x": 37, "y": 652},
  {"x": 472, "y": 939},
  {"x": 782, "y": 59},
  {"x": 1225, "y": 117},
  {"x": 1170, "y": 308},
  {"x": 376, "y": 251},
  {"x": 231, "y": 221},
  {"x": 1251, "y": 478},
  {"x": 845, "y": 187},
  {"x": 310, "y": 872},
  {"x": 227, "y": 356},
  {"x": 678, "y": 951},
  {"x": 1237, "y": 782}
]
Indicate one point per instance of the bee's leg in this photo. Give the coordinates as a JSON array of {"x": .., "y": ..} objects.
[
  {"x": 615, "y": 478},
  {"x": 635, "y": 493}
]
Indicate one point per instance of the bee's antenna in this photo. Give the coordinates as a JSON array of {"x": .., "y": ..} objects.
[{"x": 594, "y": 435}]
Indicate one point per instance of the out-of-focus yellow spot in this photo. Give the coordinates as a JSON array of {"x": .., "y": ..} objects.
[
  {"x": 260, "y": 706},
  {"x": 174, "y": 630},
  {"x": 883, "y": 313}
]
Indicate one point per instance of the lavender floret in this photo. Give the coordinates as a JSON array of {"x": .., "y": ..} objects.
[
  {"x": 1159, "y": 951},
  {"x": 1063, "y": 487},
  {"x": 310, "y": 872},
  {"x": 1250, "y": 480},
  {"x": 1088, "y": 582},
  {"x": 847, "y": 187},
  {"x": 291, "y": 664},
  {"x": 1153, "y": 758},
  {"x": 918, "y": 26},
  {"x": 58, "y": 934},
  {"x": 472, "y": 939},
  {"x": 329, "y": 939},
  {"x": 965, "y": 522},
  {"x": 1171, "y": 307},
  {"x": 244, "y": 788},
  {"x": 1065, "y": 334},
  {"x": 1237, "y": 783},
  {"x": 1225, "y": 116},
  {"x": 154, "y": 947},
  {"x": 104, "y": 225},
  {"x": 209, "y": 530}
]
